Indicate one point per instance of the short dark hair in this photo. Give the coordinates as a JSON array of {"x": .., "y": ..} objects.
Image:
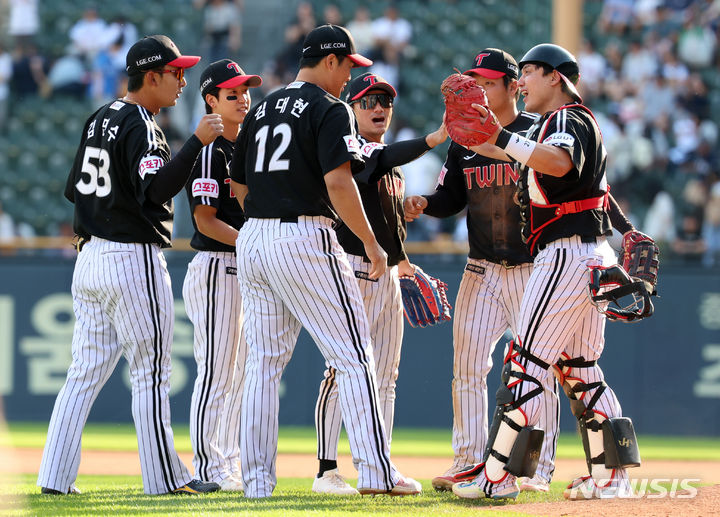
[
  {"x": 215, "y": 92},
  {"x": 135, "y": 81},
  {"x": 312, "y": 62}
]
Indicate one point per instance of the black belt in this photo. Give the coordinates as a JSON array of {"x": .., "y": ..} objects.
[
  {"x": 289, "y": 219},
  {"x": 507, "y": 264},
  {"x": 587, "y": 239}
]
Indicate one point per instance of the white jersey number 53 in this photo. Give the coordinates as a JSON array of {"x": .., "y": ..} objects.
[{"x": 97, "y": 170}]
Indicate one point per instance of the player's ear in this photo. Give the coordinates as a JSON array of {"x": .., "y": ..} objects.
[
  {"x": 512, "y": 87},
  {"x": 211, "y": 100}
]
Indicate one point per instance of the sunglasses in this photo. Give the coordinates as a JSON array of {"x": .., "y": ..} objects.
[
  {"x": 370, "y": 101},
  {"x": 179, "y": 73}
]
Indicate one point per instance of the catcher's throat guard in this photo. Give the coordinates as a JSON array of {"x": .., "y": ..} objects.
[{"x": 618, "y": 296}]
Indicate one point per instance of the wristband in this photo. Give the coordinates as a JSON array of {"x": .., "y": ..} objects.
[{"x": 517, "y": 147}]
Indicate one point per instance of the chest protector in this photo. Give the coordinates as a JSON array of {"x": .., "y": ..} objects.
[{"x": 538, "y": 216}]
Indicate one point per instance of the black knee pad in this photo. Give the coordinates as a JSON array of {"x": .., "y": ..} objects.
[
  {"x": 620, "y": 443},
  {"x": 525, "y": 454}
]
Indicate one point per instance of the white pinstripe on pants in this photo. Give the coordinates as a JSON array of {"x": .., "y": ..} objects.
[
  {"x": 487, "y": 304},
  {"x": 213, "y": 305},
  {"x": 293, "y": 275},
  {"x": 383, "y": 305},
  {"x": 123, "y": 304}
]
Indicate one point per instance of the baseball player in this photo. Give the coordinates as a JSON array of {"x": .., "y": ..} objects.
[
  {"x": 498, "y": 267},
  {"x": 382, "y": 189},
  {"x": 122, "y": 184},
  {"x": 291, "y": 171},
  {"x": 210, "y": 291},
  {"x": 563, "y": 194}
]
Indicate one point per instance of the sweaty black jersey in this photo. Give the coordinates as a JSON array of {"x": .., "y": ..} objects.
[
  {"x": 209, "y": 185},
  {"x": 573, "y": 128},
  {"x": 287, "y": 144},
  {"x": 382, "y": 199},
  {"x": 120, "y": 151},
  {"x": 487, "y": 187}
]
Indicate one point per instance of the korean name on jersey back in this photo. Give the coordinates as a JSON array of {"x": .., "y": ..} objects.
[
  {"x": 287, "y": 144},
  {"x": 121, "y": 148}
]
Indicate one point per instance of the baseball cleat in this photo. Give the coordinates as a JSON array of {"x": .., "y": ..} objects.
[
  {"x": 51, "y": 491},
  {"x": 231, "y": 484},
  {"x": 405, "y": 486},
  {"x": 533, "y": 484},
  {"x": 332, "y": 483},
  {"x": 482, "y": 487},
  {"x": 454, "y": 475},
  {"x": 584, "y": 488},
  {"x": 197, "y": 487}
]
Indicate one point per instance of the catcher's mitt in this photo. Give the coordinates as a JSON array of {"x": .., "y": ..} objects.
[
  {"x": 424, "y": 299},
  {"x": 463, "y": 123},
  {"x": 641, "y": 258}
]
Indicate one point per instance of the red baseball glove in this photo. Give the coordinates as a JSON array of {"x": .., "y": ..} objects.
[{"x": 463, "y": 122}]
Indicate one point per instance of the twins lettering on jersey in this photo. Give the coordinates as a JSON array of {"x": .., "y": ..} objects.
[
  {"x": 395, "y": 186},
  {"x": 150, "y": 165},
  {"x": 206, "y": 187},
  {"x": 500, "y": 174}
]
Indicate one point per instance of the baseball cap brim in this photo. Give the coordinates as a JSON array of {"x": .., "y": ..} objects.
[
  {"x": 251, "y": 80},
  {"x": 379, "y": 86},
  {"x": 359, "y": 60},
  {"x": 485, "y": 72},
  {"x": 184, "y": 61}
]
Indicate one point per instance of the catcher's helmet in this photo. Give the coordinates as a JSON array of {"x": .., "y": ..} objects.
[
  {"x": 608, "y": 285},
  {"x": 559, "y": 59}
]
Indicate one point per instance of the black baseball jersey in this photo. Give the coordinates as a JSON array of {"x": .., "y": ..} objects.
[
  {"x": 209, "y": 185},
  {"x": 487, "y": 186},
  {"x": 382, "y": 199},
  {"x": 287, "y": 144},
  {"x": 120, "y": 151},
  {"x": 572, "y": 127}
]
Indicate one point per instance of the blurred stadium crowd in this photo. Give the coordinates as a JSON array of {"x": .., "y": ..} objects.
[{"x": 649, "y": 71}]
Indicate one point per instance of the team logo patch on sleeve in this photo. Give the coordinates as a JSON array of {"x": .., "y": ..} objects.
[
  {"x": 205, "y": 187},
  {"x": 352, "y": 144},
  {"x": 150, "y": 165},
  {"x": 370, "y": 148},
  {"x": 560, "y": 140}
]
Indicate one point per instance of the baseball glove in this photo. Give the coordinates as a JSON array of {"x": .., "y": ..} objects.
[
  {"x": 424, "y": 299},
  {"x": 463, "y": 123},
  {"x": 641, "y": 258}
]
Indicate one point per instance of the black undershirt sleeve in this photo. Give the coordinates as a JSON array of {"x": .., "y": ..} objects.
[
  {"x": 171, "y": 177},
  {"x": 401, "y": 153},
  {"x": 618, "y": 219},
  {"x": 442, "y": 203}
]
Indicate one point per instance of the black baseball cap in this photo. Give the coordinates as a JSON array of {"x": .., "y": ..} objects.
[
  {"x": 154, "y": 52},
  {"x": 494, "y": 63},
  {"x": 332, "y": 39},
  {"x": 363, "y": 83},
  {"x": 226, "y": 74}
]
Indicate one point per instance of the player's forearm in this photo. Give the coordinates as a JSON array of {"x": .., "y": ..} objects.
[
  {"x": 443, "y": 204},
  {"x": 547, "y": 159},
  {"x": 171, "y": 177},
  {"x": 240, "y": 190},
  {"x": 617, "y": 217},
  {"x": 217, "y": 230},
  {"x": 345, "y": 199}
]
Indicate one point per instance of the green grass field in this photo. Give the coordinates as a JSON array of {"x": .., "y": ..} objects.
[
  {"x": 406, "y": 442},
  {"x": 122, "y": 495}
]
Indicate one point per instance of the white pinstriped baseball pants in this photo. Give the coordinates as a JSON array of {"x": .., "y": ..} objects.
[
  {"x": 123, "y": 305},
  {"x": 293, "y": 275},
  {"x": 557, "y": 316},
  {"x": 487, "y": 304},
  {"x": 383, "y": 305},
  {"x": 213, "y": 305}
]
